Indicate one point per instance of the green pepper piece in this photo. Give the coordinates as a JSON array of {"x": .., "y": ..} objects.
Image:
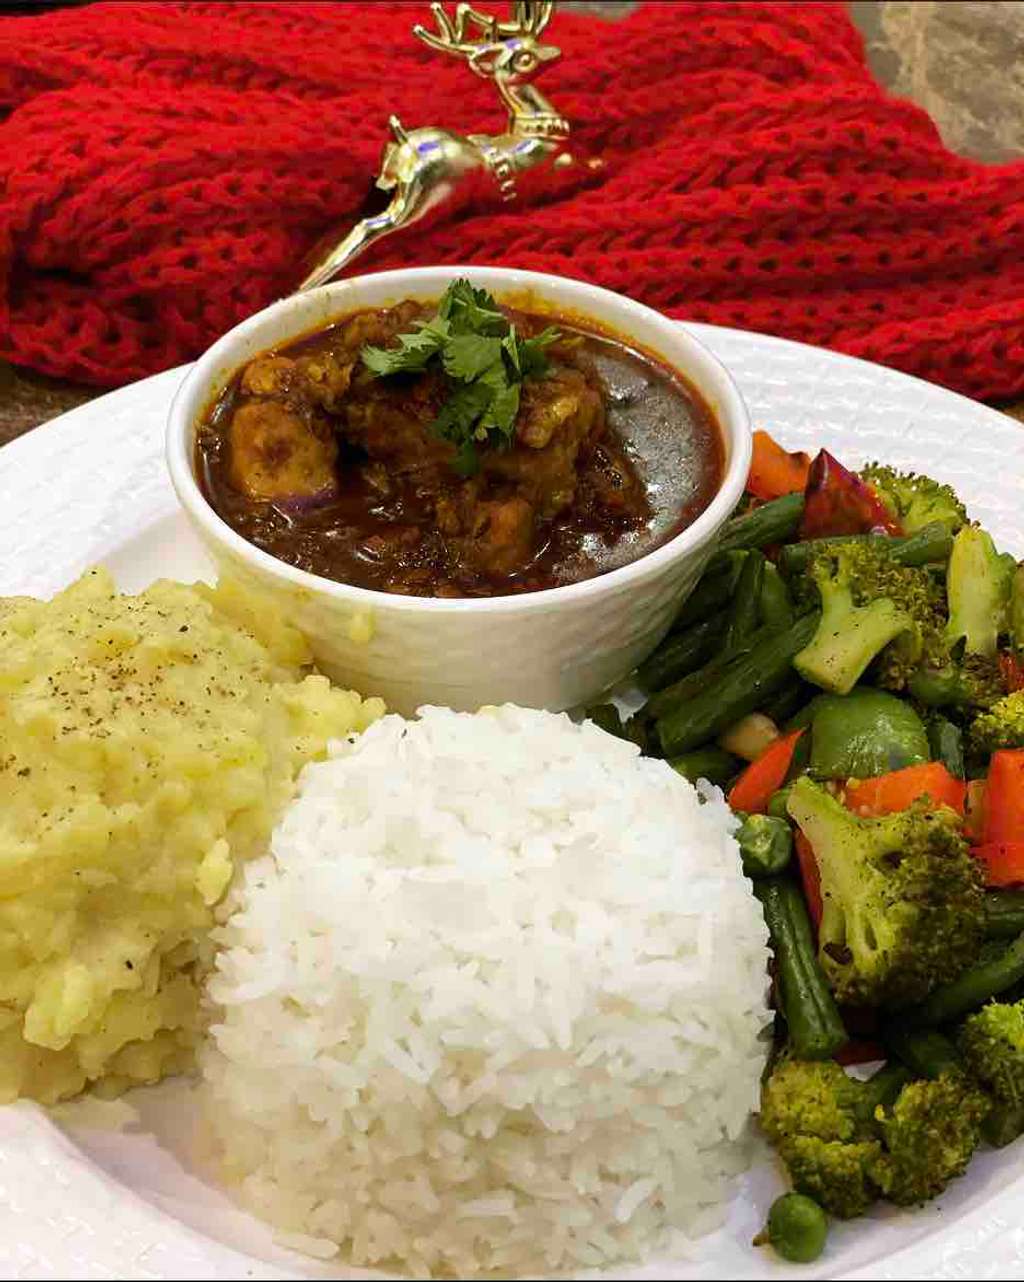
[
  {"x": 803, "y": 717},
  {"x": 766, "y": 845},
  {"x": 865, "y": 733}
]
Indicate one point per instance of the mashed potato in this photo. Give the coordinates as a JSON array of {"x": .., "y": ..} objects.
[{"x": 147, "y": 743}]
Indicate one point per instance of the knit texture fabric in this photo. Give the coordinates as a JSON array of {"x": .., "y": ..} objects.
[{"x": 165, "y": 168}]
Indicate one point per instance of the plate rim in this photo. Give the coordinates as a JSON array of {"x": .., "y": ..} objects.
[{"x": 984, "y": 1232}]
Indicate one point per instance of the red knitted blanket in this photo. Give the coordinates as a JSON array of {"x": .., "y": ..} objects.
[{"x": 166, "y": 166}]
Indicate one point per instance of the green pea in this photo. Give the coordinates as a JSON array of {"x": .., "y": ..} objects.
[
  {"x": 778, "y": 802},
  {"x": 766, "y": 845},
  {"x": 796, "y": 1228}
]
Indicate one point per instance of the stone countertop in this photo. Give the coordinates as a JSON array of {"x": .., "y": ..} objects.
[{"x": 932, "y": 51}]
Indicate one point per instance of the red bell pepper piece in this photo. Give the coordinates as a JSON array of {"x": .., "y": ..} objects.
[
  {"x": 809, "y": 876},
  {"x": 753, "y": 789},
  {"x": 1004, "y": 798},
  {"x": 838, "y": 502},
  {"x": 1001, "y": 845},
  {"x": 898, "y": 789},
  {"x": 1003, "y": 862},
  {"x": 774, "y": 471}
]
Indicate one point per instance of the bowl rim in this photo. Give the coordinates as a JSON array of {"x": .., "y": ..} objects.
[{"x": 729, "y": 408}]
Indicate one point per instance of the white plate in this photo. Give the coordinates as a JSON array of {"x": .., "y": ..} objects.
[{"x": 114, "y": 1190}]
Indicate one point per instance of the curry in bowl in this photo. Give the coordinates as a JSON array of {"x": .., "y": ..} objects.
[{"x": 458, "y": 449}]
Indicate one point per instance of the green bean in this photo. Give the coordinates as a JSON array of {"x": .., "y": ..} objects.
[
  {"x": 815, "y": 1027},
  {"x": 947, "y": 744},
  {"x": 686, "y": 687},
  {"x": 679, "y": 654},
  {"x": 927, "y": 546},
  {"x": 1004, "y": 914},
  {"x": 766, "y": 845},
  {"x": 746, "y": 603},
  {"x": 714, "y": 764},
  {"x": 772, "y": 522},
  {"x": 694, "y": 682},
  {"x": 972, "y": 989},
  {"x": 712, "y": 593},
  {"x": 744, "y": 683},
  {"x": 776, "y": 606},
  {"x": 926, "y": 1052},
  {"x": 932, "y": 543},
  {"x": 796, "y": 1228}
]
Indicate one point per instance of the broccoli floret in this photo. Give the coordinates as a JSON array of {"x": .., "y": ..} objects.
[
  {"x": 992, "y": 1044},
  {"x": 968, "y": 682},
  {"x": 837, "y": 1175},
  {"x": 978, "y": 582},
  {"x": 915, "y": 501},
  {"x": 1002, "y": 726},
  {"x": 902, "y": 898},
  {"x": 821, "y": 1122},
  {"x": 929, "y": 1136},
  {"x": 846, "y": 1143},
  {"x": 871, "y": 606},
  {"x": 812, "y": 1097}
]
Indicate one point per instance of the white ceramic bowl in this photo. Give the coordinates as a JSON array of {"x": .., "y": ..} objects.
[{"x": 550, "y": 649}]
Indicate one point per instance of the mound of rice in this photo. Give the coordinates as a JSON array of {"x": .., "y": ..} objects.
[{"x": 494, "y": 1002}]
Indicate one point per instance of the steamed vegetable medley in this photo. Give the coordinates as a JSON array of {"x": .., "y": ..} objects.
[{"x": 851, "y": 669}]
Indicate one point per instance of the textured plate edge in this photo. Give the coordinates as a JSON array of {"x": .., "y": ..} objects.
[{"x": 984, "y": 1242}]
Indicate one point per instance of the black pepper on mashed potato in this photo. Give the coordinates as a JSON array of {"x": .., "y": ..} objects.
[{"x": 147, "y": 744}]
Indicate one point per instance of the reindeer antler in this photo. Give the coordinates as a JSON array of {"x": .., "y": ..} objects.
[
  {"x": 531, "y": 17},
  {"x": 451, "y": 37}
]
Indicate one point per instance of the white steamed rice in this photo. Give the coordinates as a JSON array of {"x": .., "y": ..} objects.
[{"x": 494, "y": 1002}]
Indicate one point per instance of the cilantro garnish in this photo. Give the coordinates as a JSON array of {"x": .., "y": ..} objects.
[{"x": 484, "y": 361}]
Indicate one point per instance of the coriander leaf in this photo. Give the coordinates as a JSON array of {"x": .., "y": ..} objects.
[
  {"x": 467, "y": 461},
  {"x": 510, "y": 346},
  {"x": 486, "y": 363},
  {"x": 472, "y": 311},
  {"x": 412, "y": 354},
  {"x": 500, "y": 415},
  {"x": 533, "y": 359},
  {"x": 457, "y": 417},
  {"x": 467, "y": 356}
]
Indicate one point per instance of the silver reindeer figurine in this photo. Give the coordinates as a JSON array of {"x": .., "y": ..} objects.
[{"x": 432, "y": 169}]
